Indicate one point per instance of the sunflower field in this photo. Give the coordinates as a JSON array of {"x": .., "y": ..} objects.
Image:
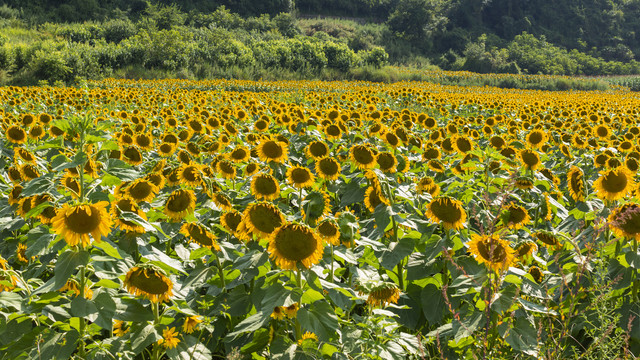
[{"x": 318, "y": 220}]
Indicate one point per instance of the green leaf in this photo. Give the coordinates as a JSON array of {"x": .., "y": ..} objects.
[
  {"x": 106, "y": 308},
  {"x": 633, "y": 259},
  {"x": 259, "y": 341},
  {"x": 56, "y": 345},
  {"x": 251, "y": 324},
  {"x": 40, "y": 185},
  {"x": 320, "y": 319},
  {"x": 132, "y": 310},
  {"x": 399, "y": 251},
  {"x": 108, "y": 248},
  {"x": 61, "y": 162},
  {"x": 67, "y": 265},
  {"x": 521, "y": 335},
  {"x": 121, "y": 170},
  {"x": 310, "y": 296},
  {"x": 433, "y": 305},
  {"x": 190, "y": 349},
  {"x": 10, "y": 300},
  {"x": 468, "y": 326},
  {"x": 352, "y": 194},
  {"x": 82, "y": 307},
  {"x": 503, "y": 300},
  {"x": 382, "y": 216},
  {"x": 143, "y": 338}
]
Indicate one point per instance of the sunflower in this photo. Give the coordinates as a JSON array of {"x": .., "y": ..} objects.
[
  {"x": 427, "y": 184},
  {"x": 526, "y": 249},
  {"x": 132, "y": 156},
  {"x": 431, "y": 153},
  {"x": 14, "y": 195},
  {"x": 128, "y": 205},
  {"x": 515, "y": 216},
  {"x": 292, "y": 310},
  {"x": 226, "y": 168},
  {"x": 156, "y": 179},
  {"x": 300, "y": 177},
  {"x": 447, "y": 210},
  {"x": 362, "y": 156},
  {"x": 436, "y": 166},
  {"x": 379, "y": 293},
  {"x": 222, "y": 201},
  {"x": 190, "y": 324},
  {"x": 548, "y": 239},
  {"x": 461, "y": 144},
  {"x": 273, "y": 150},
  {"x": 47, "y": 214},
  {"x": 536, "y": 138},
  {"x": 199, "y": 235},
  {"x": 308, "y": 336},
  {"x": 278, "y": 313},
  {"x": 291, "y": 244},
  {"x": 497, "y": 142},
  {"x": 75, "y": 223},
  {"x": 16, "y": 134},
  {"x": 536, "y": 274},
  {"x": 180, "y": 204},
  {"x": 529, "y": 159},
  {"x": 328, "y": 168},
  {"x": 230, "y": 220},
  {"x": 332, "y": 132},
  {"x": 24, "y": 155},
  {"x": 190, "y": 175},
  {"x": 166, "y": 149},
  {"x": 329, "y": 231},
  {"x": 374, "y": 197},
  {"x": 575, "y": 183},
  {"x": 614, "y": 184},
  {"x": 29, "y": 172},
  {"x": 524, "y": 183},
  {"x": 138, "y": 190},
  {"x": 239, "y": 154},
  {"x": 316, "y": 150},
  {"x": 150, "y": 282},
  {"x": 144, "y": 141},
  {"x": 251, "y": 168},
  {"x": 387, "y": 162},
  {"x": 7, "y": 282},
  {"x": 169, "y": 338},
  {"x": 492, "y": 251},
  {"x": 315, "y": 205},
  {"x": 120, "y": 328},
  {"x": 14, "y": 174},
  {"x": 262, "y": 218},
  {"x": 625, "y": 221}
]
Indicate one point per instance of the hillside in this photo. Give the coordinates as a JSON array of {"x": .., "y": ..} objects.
[{"x": 96, "y": 39}]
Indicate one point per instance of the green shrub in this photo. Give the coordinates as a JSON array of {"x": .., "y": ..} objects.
[
  {"x": 340, "y": 56},
  {"x": 376, "y": 57},
  {"x": 117, "y": 30},
  {"x": 48, "y": 65}
]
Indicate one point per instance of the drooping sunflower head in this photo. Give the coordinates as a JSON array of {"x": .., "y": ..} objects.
[
  {"x": 199, "y": 235},
  {"x": 180, "y": 203},
  {"x": 614, "y": 184},
  {"x": 548, "y": 239},
  {"x": 387, "y": 162},
  {"x": 328, "y": 168},
  {"x": 139, "y": 190},
  {"x": 230, "y": 220},
  {"x": 300, "y": 177},
  {"x": 222, "y": 200},
  {"x": 150, "y": 282},
  {"x": 461, "y": 144},
  {"x": 292, "y": 244},
  {"x": 524, "y": 183},
  {"x": 380, "y": 293},
  {"x": 492, "y": 251},
  {"x": 362, "y": 156},
  {"x": 239, "y": 154},
  {"x": 427, "y": 184},
  {"x": 447, "y": 210},
  {"x": 576, "y": 183},
  {"x": 526, "y": 249},
  {"x": 75, "y": 223},
  {"x": 515, "y": 216},
  {"x": 262, "y": 218},
  {"x": 329, "y": 231},
  {"x": 226, "y": 169},
  {"x": 132, "y": 156},
  {"x": 625, "y": 221}
]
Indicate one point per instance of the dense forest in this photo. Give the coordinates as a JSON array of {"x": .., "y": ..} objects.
[{"x": 91, "y": 38}]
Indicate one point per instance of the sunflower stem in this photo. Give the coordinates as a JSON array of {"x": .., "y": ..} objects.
[
  {"x": 300, "y": 204},
  {"x": 635, "y": 273},
  {"x": 81, "y": 351},
  {"x": 331, "y": 272},
  {"x": 220, "y": 271},
  {"x": 299, "y": 279}
]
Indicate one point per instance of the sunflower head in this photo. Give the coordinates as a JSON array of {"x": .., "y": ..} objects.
[
  {"x": 379, "y": 292},
  {"x": 374, "y": 197},
  {"x": 230, "y": 220},
  {"x": 180, "y": 203},
  {"x": 199, "y": 235},
  {"x": 293, "y": 244},
  {"x": 316, "y": 150},
  {"x": 328, "y": 168},
  {"x": 75, "y": 223},
  {"x": 625, "y": 221},
  {"x": 515, "y": 216},
  {"x": 315, "y": 205},
  {"x": 447, "y": 210},
  {"x": 614, "y": 184},
  {"x": 262, "y": 218},
  {"x": 575, "y": 183},
  {"x": 150, "y": 282},
  {"x": 127, "y": 205},
  {"x": 329, "y": 231},
  {"x": 300, "y": 177},
  {"x": 492, "y": 251},
  {"x": 362, "y": 156},
  {"x": 273, "y": 150}
]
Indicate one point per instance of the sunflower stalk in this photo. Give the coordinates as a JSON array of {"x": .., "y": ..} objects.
[
  {"x": 81, "y": 351},
  {"x": 394, "y": 224}
]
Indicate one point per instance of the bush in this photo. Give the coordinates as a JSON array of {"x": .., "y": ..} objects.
[
  {"x": 117, "y": 30},
  {"x": 340, "y": 56},
  {"x": 376, "y": 57},
  {"x": 48, "y": 65}
]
